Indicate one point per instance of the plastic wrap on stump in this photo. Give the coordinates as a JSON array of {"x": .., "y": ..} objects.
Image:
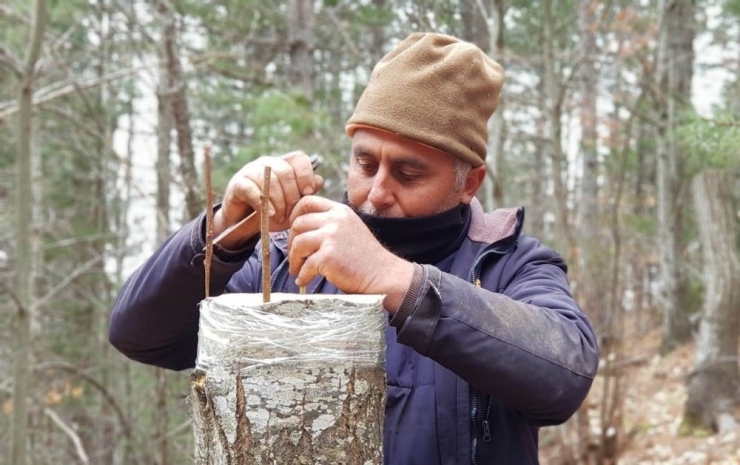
[{"x": 299, "y": 380}]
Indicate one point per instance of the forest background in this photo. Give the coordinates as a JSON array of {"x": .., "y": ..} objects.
[{"x": 618, "y": 131}]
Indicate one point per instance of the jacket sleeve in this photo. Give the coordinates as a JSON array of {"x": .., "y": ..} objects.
[
  {"x": 155, "y": 316},
  {"x": 530, "y": 347}
]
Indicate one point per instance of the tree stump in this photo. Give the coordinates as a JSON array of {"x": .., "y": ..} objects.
[{"x": 299, "y": 380}]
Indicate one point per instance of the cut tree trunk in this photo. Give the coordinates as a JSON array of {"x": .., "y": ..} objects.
[
  {"x": 300, "y": 380},
  {"x": 713, "y": 387}
]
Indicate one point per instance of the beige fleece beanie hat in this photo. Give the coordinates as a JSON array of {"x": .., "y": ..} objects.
[{"x": 436, "y": 90}]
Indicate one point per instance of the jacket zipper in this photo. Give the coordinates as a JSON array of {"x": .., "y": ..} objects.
[
  {"x": 276, "y": 274},
  {"x": 474, "y": 416},
  {"x": 477, "y": 395}
]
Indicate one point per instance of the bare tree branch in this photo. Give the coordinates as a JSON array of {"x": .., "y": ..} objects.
[
  {"x": 63, "y": 366},
  {"x": 238, "y": 76},
  {"x": 11, "y": 62},
  {"x": 60, "y": 89},
  {"x": 7, "y": 12},
  {"x": 74, "y": 437},
  {"x": 340, "y": 28},
  {"x": 14, "y": 297},
  {"x": 66, "y": 281}
]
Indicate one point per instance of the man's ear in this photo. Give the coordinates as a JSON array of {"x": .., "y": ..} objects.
[{"x": 473, "y": 181}]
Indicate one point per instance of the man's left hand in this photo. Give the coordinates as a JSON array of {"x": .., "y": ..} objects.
[{"x": 327, "y": 238}]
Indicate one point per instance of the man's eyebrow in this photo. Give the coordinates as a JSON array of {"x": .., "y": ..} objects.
[
  {"x": 413, "y": 162},
  {"x": 360, "y": 151},
  {"x": 407, "y": 160}
]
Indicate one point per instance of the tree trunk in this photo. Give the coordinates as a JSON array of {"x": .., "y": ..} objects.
[
  {"x": 474, "y": 29},
  {"x": 96, "y": 282},
  {"x": 588, "y": 77},
  {"x": 25, "y": 253},
  {"x": 300, "y": 41},
  {"x": 536, "y": 214},
  {"x": 553, "y": 91},
  {"x": 674, "y": 74},
  {"x": 164, "y": 141},
  {"x": 713, "y": 387},
  {"x": 294, "y": 381},
  {"x": 178, "y": 93},
  {"x": 483, "y": 25}
]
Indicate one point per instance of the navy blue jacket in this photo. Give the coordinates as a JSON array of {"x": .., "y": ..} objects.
[{"x": 494, "y": 348}]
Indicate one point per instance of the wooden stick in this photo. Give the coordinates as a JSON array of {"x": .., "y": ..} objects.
[
  {"x": 265, "y": 235},
  {"x": 209, "y": 218}
]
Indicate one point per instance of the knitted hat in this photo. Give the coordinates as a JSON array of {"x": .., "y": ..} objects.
[{"x": 436, "y": 90}]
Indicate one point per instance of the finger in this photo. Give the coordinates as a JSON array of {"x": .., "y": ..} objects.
[
  {"x": 244, "y": 192},
  {"x": 303, "y": 246},
  {"x": 312, "y": 204},
  {"x": 318, "y": 182},
  {"x": 289, "y": 191},
  {"x": 309, "y": 270},
  {"x": 276, "y": 199},
  {"x": 305, "y": 223},
  {"x": 304, "y": 175}
]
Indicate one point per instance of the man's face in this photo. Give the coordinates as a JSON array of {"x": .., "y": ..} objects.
[{"x": 390, "y": 176}]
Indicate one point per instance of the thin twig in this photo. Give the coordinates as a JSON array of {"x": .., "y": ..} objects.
[
  {"x": 122, "y": 419},
  {"x": 209, "y": 218},
  {"x": 74, "y": 437},
  {"x": 265, "y": 235},
  {"x": 14, "y": 297}
]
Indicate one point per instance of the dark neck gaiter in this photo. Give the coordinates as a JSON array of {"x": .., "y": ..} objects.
[{"x": 422, "y": 240}]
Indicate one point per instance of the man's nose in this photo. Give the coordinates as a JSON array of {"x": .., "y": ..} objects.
[{"x": 381, "y": 194}]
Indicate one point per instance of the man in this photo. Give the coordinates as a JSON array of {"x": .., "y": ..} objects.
[{"x": 485, "y": 343}]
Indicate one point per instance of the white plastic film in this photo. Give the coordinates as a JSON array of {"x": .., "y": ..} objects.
[{"x": 240, "y": 332}]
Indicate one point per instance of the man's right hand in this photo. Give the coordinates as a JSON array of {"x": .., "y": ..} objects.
[{"x": 292, "y": 178}]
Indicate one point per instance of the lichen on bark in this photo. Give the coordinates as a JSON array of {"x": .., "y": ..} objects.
[{"x": 301, "y": 409}]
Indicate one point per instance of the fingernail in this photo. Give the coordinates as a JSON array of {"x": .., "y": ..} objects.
[
  {"x": 307, "y": 190},
  {"x": 271, "y": 211}
]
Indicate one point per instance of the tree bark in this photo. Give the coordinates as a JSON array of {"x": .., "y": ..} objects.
[
  {"x": 536, "y": 214},
  {"x": 178, "y": 91},
  {"x": 713, "y": 386},
  {"x": 674, "y": 75},
  {"x": 300, "y": 41},
  {"x": 96, "y": 281},
  {"x": 483, "y": 25},
  {"x": 553, "y": 92},
  {"x": 25, "y": 253},
  {"x": 378, "y": 35},
  {"x": 265, "y": 390},
  {"x": 588, "y": 78},
  {"x": 497, "y": 124},
  {"x": 164, "y": 141}
]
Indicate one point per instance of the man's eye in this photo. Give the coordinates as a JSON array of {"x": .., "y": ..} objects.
[{"x": 405, "y": 176}]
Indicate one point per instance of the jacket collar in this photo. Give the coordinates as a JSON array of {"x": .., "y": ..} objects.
[{"x": 498, "y": 225}]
